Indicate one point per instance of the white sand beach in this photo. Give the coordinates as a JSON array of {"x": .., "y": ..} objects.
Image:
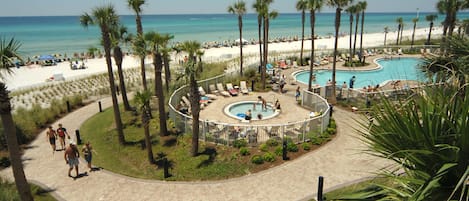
[{"x": 34, "y": 75}]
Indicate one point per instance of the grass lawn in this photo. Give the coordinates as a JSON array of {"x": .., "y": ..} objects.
[
  {"x": 8, "y": 192},
  {"x": 213, "y": 163}
]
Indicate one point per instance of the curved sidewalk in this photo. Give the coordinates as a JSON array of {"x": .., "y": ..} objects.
[{"x": 340, "y": 161}]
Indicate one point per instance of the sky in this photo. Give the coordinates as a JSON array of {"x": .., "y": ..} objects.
[{"x": 78, "y": 7}]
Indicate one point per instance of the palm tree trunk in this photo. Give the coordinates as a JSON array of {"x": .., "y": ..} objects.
[
  {"x": 146, "y": 128},
  {"x": 385, "y": 35},
  {"x": 402, "y": 30},
  {"x": 259, "y": 23},
  {"x": 118, "y": 59},
  {"x": 13, "y": 148},
  {"x": 115, "y": 104},
  {"x": 240, "y": 24},
  {"x": 413, "y": 36},
  {"x": 429, "y": 33},
  {"x": 158, "y": 63},
  {"x": 195, "y": 106},
  {"x": 311, "y": 70},
  {"x": 303, "y": 37},
  {"x": 350, "y": 41},
  {"x": 334, "y": 63},
  {"x": 355, "y": 37},
  {"x": 361, "y": 38},
  {"x": 266, "y": 43},
  {"x": 167, "y": 71},
  {"x": 398, "y": 32},
  {"x": 143, "y": 73}
]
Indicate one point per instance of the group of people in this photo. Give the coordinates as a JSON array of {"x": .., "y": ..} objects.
[{"x": 71, "y": 154}]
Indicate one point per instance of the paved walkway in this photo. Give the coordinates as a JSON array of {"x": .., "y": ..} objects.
[{"x": 341, "y": 161}]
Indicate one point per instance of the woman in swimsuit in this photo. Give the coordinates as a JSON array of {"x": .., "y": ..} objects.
[{"x": 51, "y": 136}]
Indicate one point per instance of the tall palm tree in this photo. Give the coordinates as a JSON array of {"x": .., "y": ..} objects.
[
  {"x": 386, "y": 31},
  {"x": 191, "y": 68},
  {"x": 414, "y": 20},
  {"x": 363, "y": 6},
  {"x": 156, "y": 41},
  {"x": 165, "y": 50},
  {"x": 239, "y": 9},
  {"x": 142, "y": 99},
  {"x": 351, "y": 10},
  {"x": 107, "y": 19},
  {"x": 302, "y": 5},
  {"x": 313, "y": 6},
  {"x": 268, "y": 15},
  {"x": 430, "y": 18},
  {"x": 136, "y": 6},
  {"x": 450, "y": 8},
  {"x": 338, "y": 4},
  {"x": 400, "y": 22},
  {"x": 260, "y": 9},
  {"x": 357, "y": 18},
  {"x": 8, "y": 52},
  {"x": 119, "y": 35}
]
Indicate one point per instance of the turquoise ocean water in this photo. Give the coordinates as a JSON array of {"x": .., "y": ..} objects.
[{"x": 64, "y": 34}]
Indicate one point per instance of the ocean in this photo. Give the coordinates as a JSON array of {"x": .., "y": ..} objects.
[{"x": 64, "y": 34}]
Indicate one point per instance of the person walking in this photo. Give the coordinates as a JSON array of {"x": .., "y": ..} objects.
[
  {"x": 87, "y": 153},
  {"x": 51, "y": 137},
  {"x": 71, "y": 156},
  {"x": 62, "y": 132},
  {"x": 297, "y": 93}
]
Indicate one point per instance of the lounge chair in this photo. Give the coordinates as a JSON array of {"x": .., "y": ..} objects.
[
  {"x": 231, "y": 90},
  {"x": 222, "y": 91},
  {"x": 213, "y": 89},
  {"x": 210, "y": 96},
  {"x": 243, "y": 87}
]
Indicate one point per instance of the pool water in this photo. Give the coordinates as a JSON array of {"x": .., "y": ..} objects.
[
  {"x": 238, "y": 110},
  {"x": 391, "y": 69}
]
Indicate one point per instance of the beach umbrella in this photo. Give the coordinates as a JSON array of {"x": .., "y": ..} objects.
[
  {"x": 46, "y": 57},
  {"x": 242, "y": 40}
]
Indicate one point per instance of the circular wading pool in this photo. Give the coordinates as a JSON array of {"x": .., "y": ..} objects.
[{"x": 237, "y": 110}]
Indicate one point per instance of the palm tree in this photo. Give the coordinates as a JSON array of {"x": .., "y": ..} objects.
[
  {"x": 191, "y": 69},
  {"x": 414, "y": 20},
  {"x": 9, "y": 51},
  {"x": 363, "y": 6},
  {"x": 351, "y": 10},
  {"x": 260, "y": 9},
  {"x": 165, "y": 50},
  {"x": 142, "y": 99},
  {"x": 338, "y": 4},
  {"x": 386, "y": 31},
  {"x": 107, "y": 19},
  {"x": 313, "y": 6},
  {"x": 302, "y": 5},
  {"x": 430, "y": 18},
  {"x": 267, "y": 17},
  {"x": 450, "y": 8},
  {"x": 357, "y": 11},
  {"x": 136, "y": 6},
  {"x": 239, "y": 9},
  {"x": 399, "y": 21},
  {"x": 120, "y": 35},
  {"x": 156, "y": 41}
]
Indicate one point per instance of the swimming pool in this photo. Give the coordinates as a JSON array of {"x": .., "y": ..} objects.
[
  {"x": 237, "y": 110},
  {"x": 391, "y": 69}
]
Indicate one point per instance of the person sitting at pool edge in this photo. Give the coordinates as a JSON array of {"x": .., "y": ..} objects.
[
  {"x": 277, "y": 105},
  {"x": 264, "y": 102},
  {"x": 248, "y": 115},
  {"x": 259, "y": 116}
]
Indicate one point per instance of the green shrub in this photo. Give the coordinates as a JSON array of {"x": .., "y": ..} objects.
[
  {"x": 240, "y": 143},
  {"x": 333, "y": 124},
  {"x": 278, "y": 151},
  {"x": 331, "y": 131},
  {"x": 244, "y": 151},
  {"x": 272, "y": 142},
  {"x": 316, "y": 140},
  {"x": 256, "y": 159},
  {"x": 306, "y": 146},
  {"x": 269, "y": 157},
  {"x": 263, "y": 147},
  {"x": 292, "y": 147}
]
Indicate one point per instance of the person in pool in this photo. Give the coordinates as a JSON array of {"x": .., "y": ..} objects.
[
  {"x": 263, "y": 101},
  {"x": 248, "y": 115}
]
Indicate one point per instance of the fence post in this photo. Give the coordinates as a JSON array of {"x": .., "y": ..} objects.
[
  {"x": 320, "y": 188},
  {"x": 77, "y": 133},
  {"x": 284, "y": 150},
  {"x": 100, "y": 107}
]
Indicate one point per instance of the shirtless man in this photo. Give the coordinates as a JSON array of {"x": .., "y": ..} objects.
[
  {"x": 61, "y": 132},
  {"x": 51, "y": 136},
  {"x": 263, "y": 101},
  {"x": 71, "y": 158}
]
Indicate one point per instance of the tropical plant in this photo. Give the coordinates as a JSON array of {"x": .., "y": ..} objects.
[
  {"x": 136, "y": 6},
  {"x": 119, "y": 35},
  {"x": 8, "y": 53},
  {"x": 267, "y": 16},
  {"x": 363, "y": 6},
  {"x": 313, "y": 6},
  {"x": 450, "y": 8},
  {"x": 338, "y": 4},
  {"x": 302, "y": 5},
  {"x": 414, "y": 20},
  {"x": 386, "y": 31},
  {"x": 430, "y": 18},
  {"x": 239, "y": 9},
  {"x": 357, "y": 11},
  {"x": 107, "y": 19},
  {"x": 142, "y": 99},
  {"x": 259, "y": 7},
  {"x": 157, "y": 42},
  {"x": 351, "y": 10},
  {"x": 400, "y": 23},
  {"x": 190, "y": 72}
]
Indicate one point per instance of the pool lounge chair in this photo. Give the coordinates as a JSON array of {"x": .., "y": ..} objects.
[
  {"x": 202, "y": 93},
  {"x": 243, "y": 87},
  {"x": 231, "y": 90},
  {"x": 222, "y": 91},
  {"x": 213, "y": 89}
]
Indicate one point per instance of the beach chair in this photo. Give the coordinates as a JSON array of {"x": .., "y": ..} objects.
[
  {"x": 210, "y": 96},
  {"x": 222, "y": 91},
  {"x": 213, "y": 89},
  {"x": 231, "y": 89},
  {"x": 243, "y": 87}
]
